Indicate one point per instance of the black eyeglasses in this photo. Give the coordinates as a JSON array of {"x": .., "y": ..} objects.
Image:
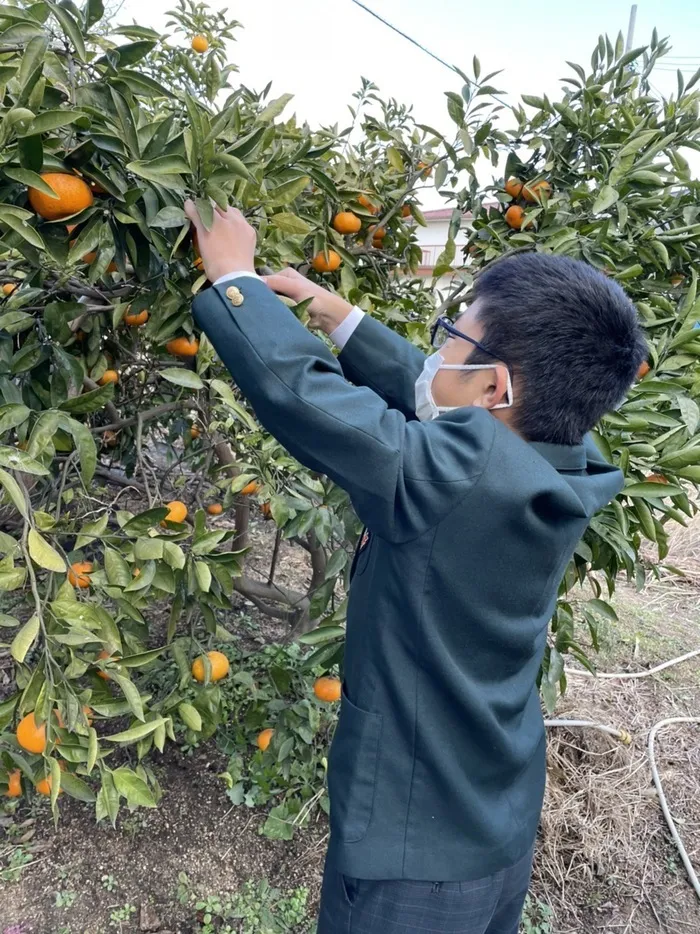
[{"x": 443, "y": 329}]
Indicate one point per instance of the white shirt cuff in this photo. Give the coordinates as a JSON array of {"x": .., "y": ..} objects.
[
  {"x": 346, "y": 328},
  {"x": 235, "y": 275}
]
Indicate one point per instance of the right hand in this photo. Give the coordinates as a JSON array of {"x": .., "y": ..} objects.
[{"x": 326, "y": 310}]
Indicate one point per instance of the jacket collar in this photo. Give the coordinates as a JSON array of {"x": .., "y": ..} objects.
[{"x": 562, "y": 456}]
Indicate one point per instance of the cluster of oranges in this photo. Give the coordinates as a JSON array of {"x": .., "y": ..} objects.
[
  {"x": 530, "y": 192},
  {"x": 327, "y": 689},
  {"x": 31, "y": 736}
]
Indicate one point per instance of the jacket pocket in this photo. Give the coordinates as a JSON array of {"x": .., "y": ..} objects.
[{"x": 352, "y": 771}]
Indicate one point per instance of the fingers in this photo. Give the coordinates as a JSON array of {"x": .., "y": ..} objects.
[
  {"x": 279, "y": 282},
  {"x": 193, "y": 214}
]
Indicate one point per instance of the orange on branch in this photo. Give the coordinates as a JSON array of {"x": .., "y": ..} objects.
[
  {"x": 177, "y": 512},
  {"x": 514, "y": 216},
  {"x": 200, "y": 44},
  {"x": 656, "y": 478},
  {"x": 103, "y": 656},
  {"x": 109, "y": 376},
  {"x": 322, "y": 264},
  {"x": 406, "y": 210},
  {"x": 14, "y": 784},
  {"x": 513, "y": 187},
  {"x": 644, "y": 368},
  {"x": 265, "y": 738},
  {"x": 250, "y": 489},
  {"x": 215, "y": 509},
  {"x": 533, "y": 193},
  {"x": 219, "y": 667},
  {"x": 30, "y": 735},
  {"x": 347, "y": 223},
  {"x": 183, "y": 347},
  {"x": 79, "y": 574},
  {"x": 136, "y": 320},
  {"x": 378, "y": 233},
  {"x": 73, "y": 196},
  {"x": 266, "y": 510},
  {"x": 9, "y": 287},
  {"x": 367, "y": 204},
  {"x": 195, "y": 432},
  {"x": 328, "y": 689},
  {"x": 110, "y": 438}
]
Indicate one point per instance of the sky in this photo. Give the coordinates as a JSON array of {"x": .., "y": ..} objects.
[{"x": 319, "y": 49}]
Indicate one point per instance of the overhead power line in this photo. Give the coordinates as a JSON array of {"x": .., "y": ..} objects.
[{"x": 405, "y": 35}]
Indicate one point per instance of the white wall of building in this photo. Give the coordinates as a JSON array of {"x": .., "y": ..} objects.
[{"x": 432, "y": 240}]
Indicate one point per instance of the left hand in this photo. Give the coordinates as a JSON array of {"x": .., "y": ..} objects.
[{"x": 230, "y": 244}]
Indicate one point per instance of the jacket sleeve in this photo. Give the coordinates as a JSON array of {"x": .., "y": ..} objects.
[
  {"x": 402, "y": 476},
  {"x": 377, "y": 357}
]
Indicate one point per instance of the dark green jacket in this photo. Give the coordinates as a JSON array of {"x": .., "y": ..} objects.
[{"x": 438, "y": 764}]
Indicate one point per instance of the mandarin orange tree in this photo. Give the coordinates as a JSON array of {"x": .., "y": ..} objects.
[
  {"x": 129, "y": 464},
  {"x": 602, "y": 175}
]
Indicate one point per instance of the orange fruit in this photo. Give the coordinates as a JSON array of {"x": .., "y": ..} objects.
[
  {"x": 109, "y": 376},
  {"x": 44, "y": 786},
  {"x": 377, "y": 244},
  {"x": 30, "y": 735},
  {"x": 215, "y": 509},
  {"x": 514, "y": 216},
  {"x": 104, "y": 654},
  {"x": 321, "y": 264},
  {"x": 328, "y": 689},
  {"x": 513, "y": 187},
  {"x": 346, "y": 222},
  {"x": 250, "y": 489},
  {"x": 200, "y": 44},
  {"x": 219, "y": 667},
  {"x": 136, "y": 572},
  {"x": 643, "y": 370},
  {"x": 656, "y": 478},
  {"x": 406, "y": 210},
  {"x": 109, "y": 438},
  {"x": 675, "y": 281},
  {"x": 79, "y": 574},
  {"x": 73, "y": 196},
  {"x": 367, "y": 204},
  {"x": 177, "y": 512},
  {"x": 378, "y": 233},
  {"x": 90, "y": 258},
  {"x": 533, "y": 193},
  {"x": 266, "y": 510},
  {"x": 14, "y": 784},
  {"x": 195, "y": 432},
  {"x": 9, "y": 287},
  {"x": 136, "y": 320},
  {"x": 264, "y": 739},
  {"x": 428, "y": 169},
  {"x": 183, "y": 347}
]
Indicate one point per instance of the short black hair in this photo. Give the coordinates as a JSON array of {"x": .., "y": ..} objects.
[{"x": 570, "y": 336}]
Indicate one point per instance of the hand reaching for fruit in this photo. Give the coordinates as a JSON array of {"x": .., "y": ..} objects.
[
  {"x": 326, "y": 310},
  {"x": 230, "y": 244}
]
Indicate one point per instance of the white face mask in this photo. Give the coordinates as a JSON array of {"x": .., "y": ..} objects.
[{"x": 426, "y": 407}]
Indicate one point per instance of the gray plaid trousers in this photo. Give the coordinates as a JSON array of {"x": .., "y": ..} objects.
[{"x": 491, "y": 905}]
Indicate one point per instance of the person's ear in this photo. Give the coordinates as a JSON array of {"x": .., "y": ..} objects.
[{"x": 495, "y": 387}]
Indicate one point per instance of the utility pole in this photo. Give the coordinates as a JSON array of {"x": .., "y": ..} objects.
[{"x": 630, "y": 28}]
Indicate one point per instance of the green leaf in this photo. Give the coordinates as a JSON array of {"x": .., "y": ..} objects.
[
  {"x": 606, "y": 197},
  {"x": 43, "y": 554},
  {"x": 88, "y": 402},
  {"x": 287, "y": 192},
  {"x": 133, "y": 788},
  {"x": 274, "y": 109},
  {"x": 148, "y": 549},
  {"x": 84, "y": 444},
  {"x": 234, "y": 164},
  {"x": 51, "y": 120},
  {"x": 163, "y": 165},
  {"x": 94, "y": 11},
  {"x": 290, "y": 223},
  {"x": 690, "y": 413},
  {"x": 117, "y": 570},
  {"x": 191, "y": 717},
  {"x": 14, "y": 491},
  {"x": 651, "y": 490},
  {"x": 203, "y": 575},
  {"x": 22, "y": 228},
  {"x": 395, "y": 159},
  {"x": 169, "y": 216},
  {"x": 70, "y": 27},
  {"x": 603, "y": 608},
  {"x": 322, "y": 634},
  {"x": 93, "y": 749},
  {"x": 137, "y": 732},
  {"x": 77, "y": 788},
  {"x": 25, "y": 639},
  {"x": 30, "y": 179},
  {"x": 133, "y": 698},
  {"x": 12, "y": 415},
  {"x": 182, "y": 377},
  {"x": 92, "y": 532}
]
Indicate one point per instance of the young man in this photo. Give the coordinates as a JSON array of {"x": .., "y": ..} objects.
[{"x": 473, "y": 474}]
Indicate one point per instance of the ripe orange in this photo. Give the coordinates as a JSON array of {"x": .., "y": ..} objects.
[
  {"x": 377, "y": 244},
  {"x": 177, "y": 512},
  {"x": 14, "y": 784},
  {"x": 183, "y": 347},
  {"x": 675, "y": 281},
  {"x": 44, "y": 786},
  {"x": 367, "y": 204},
  {"x": 346, "y": 222},
  {"x": 533, "y": 193},
  {"x": 428, "y": 169},
  {"x": 136, "y": 320},
  {"x": 109, "y": 376},
  {"x": 73, "y": 196},
  {"x": 656, "y": 478},
  {"x": 104, "y": 654},
  {"x": 9, "y": 287},
  {"x": 321, "y": 264},
  {"x": 219, "y": 667},
  {"x": 643, "y": 370},
  {"x": 378, "y": 233},
  {"x": 264, "y": 739},
  {"x": 513, "y": 187},
  {"x": 406, "y": 210},
  {"x": 250, "y": 489},
  {"x": 30, "y": 735},
  {"x": 215, "y": 509},
  {"x": 328, "y": 689},
  {"x": 136, "y": 572},
  {"x": 90, "y": 258},
  {"x": 79, "y": 574},
  {"x": 200, "y": 44},
  {"x": 109, "y": 438},
  {"x": 514, "y": 216},
  {"x": 195, "y": 432},
  {"x": 266, "y": 510}
]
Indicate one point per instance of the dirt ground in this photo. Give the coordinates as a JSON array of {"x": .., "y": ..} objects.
[{"x": 605, "y": 860}]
